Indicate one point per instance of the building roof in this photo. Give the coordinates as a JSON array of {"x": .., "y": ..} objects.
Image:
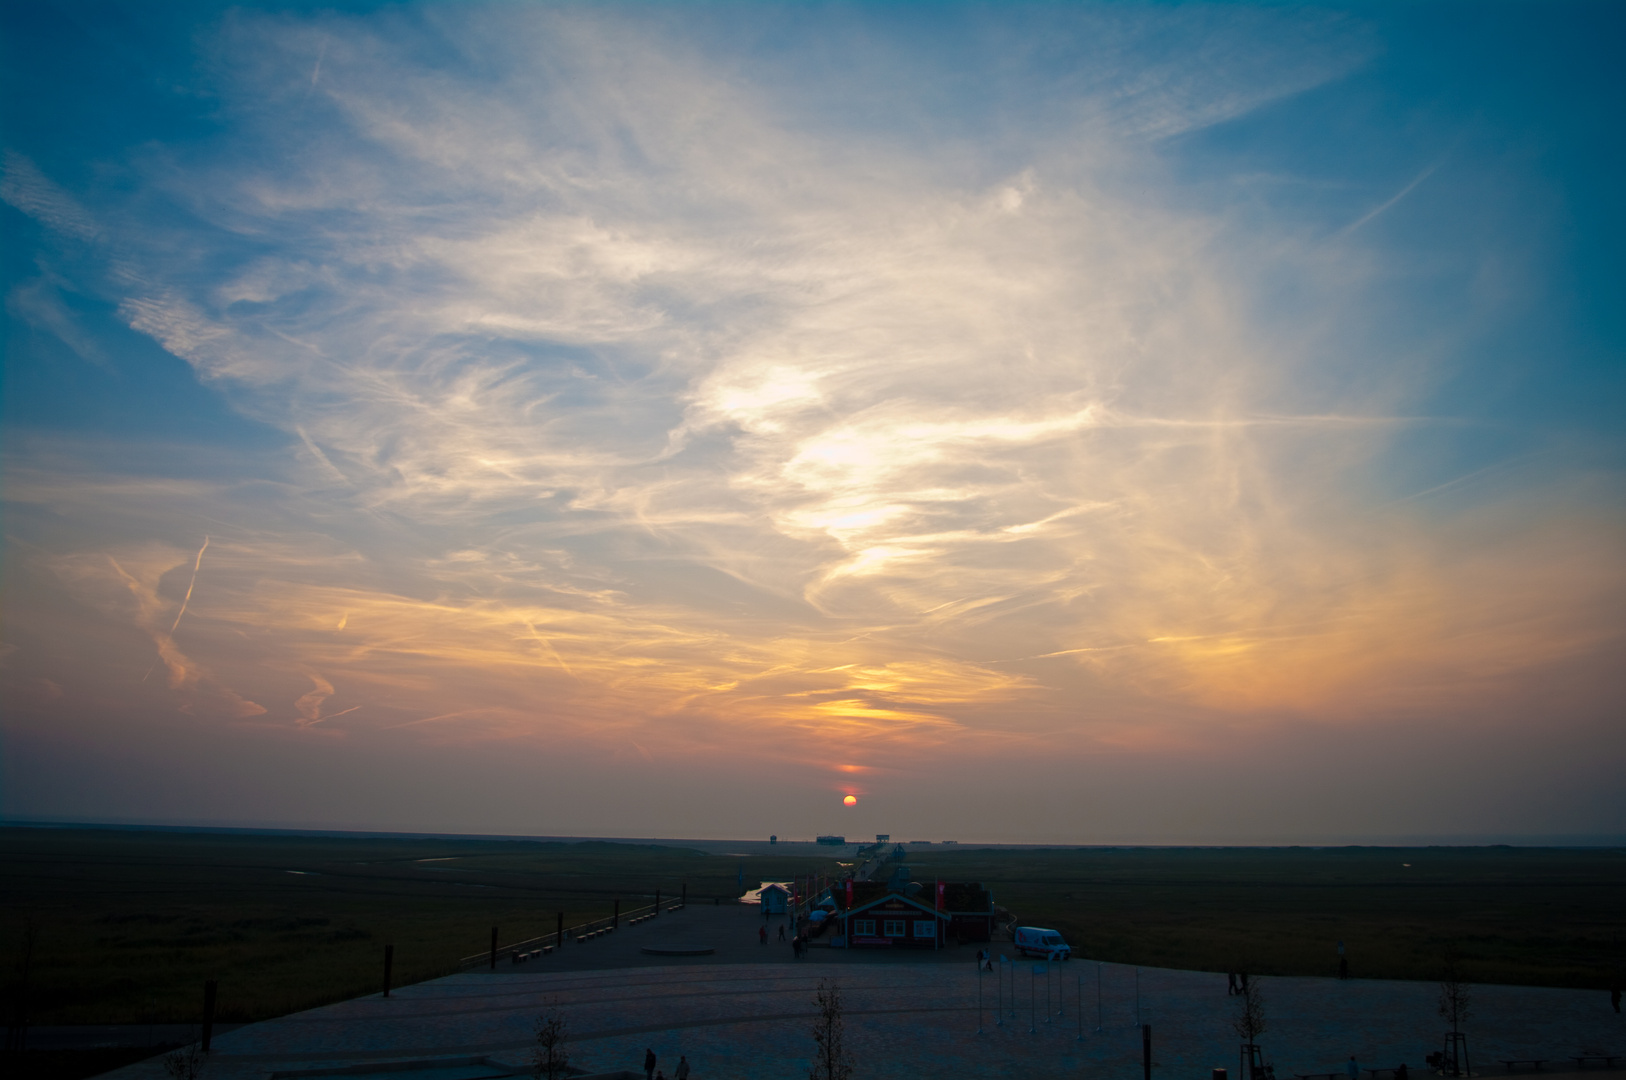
[
  {"x": 958, "y": 896},
  {"x": 885, "y": 899}
]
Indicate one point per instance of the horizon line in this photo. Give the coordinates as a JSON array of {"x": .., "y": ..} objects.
[{"x": 1465, "y": 840}]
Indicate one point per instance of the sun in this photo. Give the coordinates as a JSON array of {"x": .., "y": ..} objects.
[{"x": 851, "y": 800}]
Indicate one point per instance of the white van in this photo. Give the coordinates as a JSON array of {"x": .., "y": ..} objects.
[{"x": 1036, "y": 941}]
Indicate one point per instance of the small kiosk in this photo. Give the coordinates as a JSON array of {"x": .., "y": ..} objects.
[{"x": 775, "y": 899}]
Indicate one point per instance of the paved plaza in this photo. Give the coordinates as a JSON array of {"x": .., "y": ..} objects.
[{"x": 746, "y": 1011}]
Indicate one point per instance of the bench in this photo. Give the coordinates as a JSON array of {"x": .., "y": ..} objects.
[
  {"x": 1606, "y": 1061},
  {"x": 1513, "y": 1064}
]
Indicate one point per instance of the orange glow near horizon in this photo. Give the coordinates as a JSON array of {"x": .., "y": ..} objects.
[{"x": 864, "y": 453}]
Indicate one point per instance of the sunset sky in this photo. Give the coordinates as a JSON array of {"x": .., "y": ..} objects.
[{"x": 1078, "y": 423}]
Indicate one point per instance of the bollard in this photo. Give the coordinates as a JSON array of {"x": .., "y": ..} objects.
[
  {"x": 1033, "y": 1002},
  {"x": 979, "y": 995},
  {"x": 1146, "y": 1049},
  {"x": 208, "y": 1012},
  {"x": 493, "y": 948},
  {"x": 999, "y": 992},
  {"x": 389, "y": 963}
]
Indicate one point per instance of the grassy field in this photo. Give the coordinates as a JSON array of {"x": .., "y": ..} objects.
[
  {"x": 1530, "y": 916},
  {"x": 128, "y": 925}
]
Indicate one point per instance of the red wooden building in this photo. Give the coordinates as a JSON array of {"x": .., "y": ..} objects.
[{"x": 904, "y": 914}]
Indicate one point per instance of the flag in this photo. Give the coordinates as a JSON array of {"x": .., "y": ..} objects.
[{"x": 942, "y": 891}]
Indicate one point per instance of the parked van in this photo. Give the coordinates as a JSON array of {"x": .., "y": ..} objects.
[{"x": 1036, "y": 941}]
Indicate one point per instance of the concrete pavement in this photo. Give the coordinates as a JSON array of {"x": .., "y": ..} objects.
[{"x": 747, "y": 1010}]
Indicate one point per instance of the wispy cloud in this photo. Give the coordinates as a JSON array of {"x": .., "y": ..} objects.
[
  {"x": 623, "y": 399},
  {"x": 31, "y": 191}
]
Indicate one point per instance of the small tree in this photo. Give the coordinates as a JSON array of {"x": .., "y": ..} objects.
[
  {"x": 549, "y": 1059},
  {"x": 185, "y": 1063},
  {"x": 830, "y": 1061},
  {"x": 1455, "y": 1000},
  {"x": 1249, "y": 1025},
  {"x": 1250, "y": 1018}
]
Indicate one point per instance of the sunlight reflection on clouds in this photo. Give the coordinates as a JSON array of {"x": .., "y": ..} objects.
[{"x": 698, "y": 416}]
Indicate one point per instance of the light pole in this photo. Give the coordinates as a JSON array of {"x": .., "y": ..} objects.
[{"x": 1098, "y": 995}]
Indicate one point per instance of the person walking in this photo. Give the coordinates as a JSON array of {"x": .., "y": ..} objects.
[
  {"x": 782, "y": 938},
  {"x": 1230, "y": 989},
  {"x": 649, "y": 1064},
  {"x": 762, "y": 935},
  {"x": 1352, "y": 1070},
  {"x": 682, "y": 1070}
]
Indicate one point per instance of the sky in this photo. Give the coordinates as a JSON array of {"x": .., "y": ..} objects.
[{"x": 1063, "y": 423}]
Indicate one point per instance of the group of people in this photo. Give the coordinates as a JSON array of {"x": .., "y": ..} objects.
[
  {"x": 652, "y": 1073},
  {"x": 797, "y": 942}
]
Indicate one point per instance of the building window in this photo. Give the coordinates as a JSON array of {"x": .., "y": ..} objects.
[
  {"x": 864, "y": 927},
  {"x": 894, "y": 928},
  {"x": 926, "y": 928}
]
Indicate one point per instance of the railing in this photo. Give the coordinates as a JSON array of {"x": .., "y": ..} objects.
[{"x": 581, "y": 933}]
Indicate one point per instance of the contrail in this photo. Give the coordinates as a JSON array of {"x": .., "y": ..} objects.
[
  {"x": 189, "y": 584},
  {"x": 1407, "y": 190}
]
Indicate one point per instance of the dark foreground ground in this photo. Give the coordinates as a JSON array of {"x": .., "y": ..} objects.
[
  {"x": 748, "y": 1011},
  {"x": 126, "y": 926}
]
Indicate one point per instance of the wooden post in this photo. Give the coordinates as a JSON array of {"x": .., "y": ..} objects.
[
  {"x": 493, "y": 948},
  {"x": 685, "y": 900},
  {"x": 657, "y": 901},
  {"x": 1146, "y": 1049},
  {"x": 615, "y": 920},
  {"x": 561, "y": 930},
  {"x": 209, "y": 989},
  {"x": 389, "y": 965}
]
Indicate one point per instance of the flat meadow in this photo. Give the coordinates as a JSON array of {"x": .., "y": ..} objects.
[{"x": 126, "y": 925}]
